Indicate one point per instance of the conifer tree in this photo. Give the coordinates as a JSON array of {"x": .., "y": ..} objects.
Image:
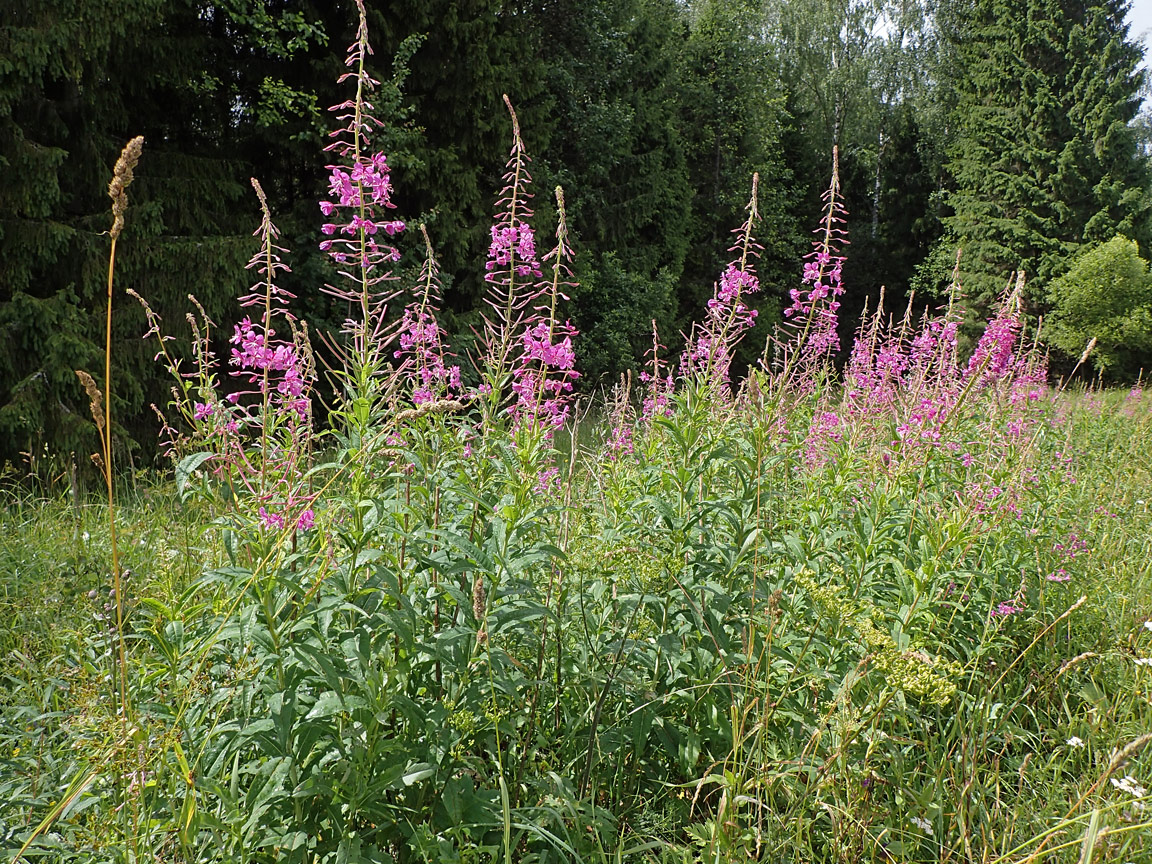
[
  {"x": 1044, "y": 158},
  {"x": 203, "y": 84},
  {"x": 733, "y": 107}
]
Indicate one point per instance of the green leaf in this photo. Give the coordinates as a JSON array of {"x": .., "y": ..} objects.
[{"x": 186, "y": 467}]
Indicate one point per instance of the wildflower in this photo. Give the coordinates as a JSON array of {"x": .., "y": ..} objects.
[
  {"x": 710, "y": 346},
  {"x": 515, "y": 287},
  {"x": 1060, "y": 575},
  {"x": 1128, "y": 784},
  {"x": 203, "y": 411},
  {"x": 547, "y": 481},
  {"x": 512, "y": 246},
  {"x": 358, "y": 197},
  {"x": 620, "y": 441},
  {"x": 306, "y": 521},
  {"x": 994, "y": 352},
  {"x": 1148, "y": 625},
  {"x": 815, "y": 305},
  {"x": 1075, "y": 742},
  {"x": 656, "y": 402},
  {"x": 825, "y": 430},
  {"x": 420, "y": 340},
  {"x": 271, "y": 521},
  {"x": 924, "y": 825},
  {"x": 543, "y": 376},
  {"x": 1004, "y": 609}
]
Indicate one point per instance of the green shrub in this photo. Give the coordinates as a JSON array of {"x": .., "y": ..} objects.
[{"x": 1106, "y": 296}]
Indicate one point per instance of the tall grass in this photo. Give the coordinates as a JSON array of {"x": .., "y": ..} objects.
[{"x": 898, "y": 613}]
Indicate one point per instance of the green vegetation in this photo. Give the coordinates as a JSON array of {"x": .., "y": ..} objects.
[
  {"x": 1106, "y": 296},
  {"x": 795, "y": 598},
  {"x": 706, "y": 651},
  {"x": 1007, "y": 128},
  {"x": 1045, "y": 158}
]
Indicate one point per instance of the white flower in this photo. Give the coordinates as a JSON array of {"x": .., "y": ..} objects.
[
  {"x": 1075, "y": 741},
  {"x": 1144, "y": 661},
  {"x": 1147, "y": 624},
  {"x": 1128, "y": 784},
  {"x": 85, "y": 536},
  {"x": 924, "y": 825}
]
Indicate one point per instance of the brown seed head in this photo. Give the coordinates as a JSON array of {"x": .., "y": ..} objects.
[
  {"x": 121, "y": 178},
  {"x": 479, "y": 599},
  {"x": 95, "y": 400},
  {"x": 1088, "y": 349}
]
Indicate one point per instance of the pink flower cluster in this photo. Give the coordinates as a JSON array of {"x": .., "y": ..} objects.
[
  {"x": 620, "y": 441},
  {"x": 542, "y": 376},
  {"x": 923, "y": 422},
  {"x": 275, "y": 521},
  {"x": 726, "y": 304},
  {"x": 512, "y": 246},
  {"x": 819, "y": 303},
  {"x": 1067, "y": 552},
  {"x": 728, "y": 317},
  {"x": 357, "y": 231},
  {"x": 547, "y": 481},
  {"x": 824, "y": 430},
  {"x": 256, "y": 357},
  {"x": 934, "y": 347},
  {"x": 660, "y": 390},
  {"x": 367, "y": 186},
  {"x": 815, "y": 308},
  {"x": 710, "y": 346},
  {"x": 420, "y": 342},
  {"x": 995, "y": 352}
]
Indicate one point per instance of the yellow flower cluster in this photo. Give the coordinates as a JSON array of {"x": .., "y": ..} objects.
[{"x": 916, "y": 672}]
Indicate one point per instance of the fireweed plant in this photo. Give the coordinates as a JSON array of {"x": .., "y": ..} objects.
[
  {"x": 709, "y": 351},
  {"x": 898, "y": 613}
]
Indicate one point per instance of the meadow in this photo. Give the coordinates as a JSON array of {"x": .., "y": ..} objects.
[{"x": 900, "y": 611}]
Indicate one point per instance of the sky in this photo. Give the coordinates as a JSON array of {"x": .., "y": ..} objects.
[{"x": 1140, "y": 21}]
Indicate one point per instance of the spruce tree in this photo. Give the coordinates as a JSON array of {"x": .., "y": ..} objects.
[
  {"x": 618, "y": 149},
  {"x": 733, "y": 109},
  {"x": 1044, "y": 158},
  {"x": 203, "y": 84}
]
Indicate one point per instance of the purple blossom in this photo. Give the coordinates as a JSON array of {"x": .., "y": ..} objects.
[
  {"x": 547, "y": 481},
  {"x": 359, "y": 195},
  {"x": 542, "y": 376},
  {"x": 656, "y": 403},
  {"x": 620, "y": 441},
  {"x": 710, "y": 345},
  {"x": 258, "y": 359},
  {"x": 271, "y": 521},
  {"x": 814, "y": 311},
  {"x": 512, "y": 247},
  {"x": 994, "y": 352},
  {"x": 421, "y": 344},
  {"x": 823, "y": 431}
]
